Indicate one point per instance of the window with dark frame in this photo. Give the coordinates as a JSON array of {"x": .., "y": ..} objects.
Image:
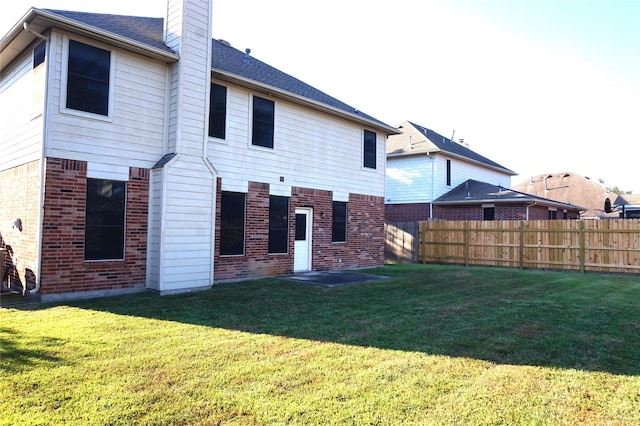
[
  {"x": 448, "y": 172},
  {"x": 278, "y": 224},
  {"x": 263, "y": 122},
  {"x": 105, "y": 220},
  {"x": 553, "y": 214},
  {"x": 339, "y": 222},
  {"x": 217, "y": 111},
  {"x": 39, "y": 54},
  {"x": 232, "y": 223},
  {"x": 488, "y": 213},
  {"x": 88, "y": 78},
  {"x": 370, "y": 148}
]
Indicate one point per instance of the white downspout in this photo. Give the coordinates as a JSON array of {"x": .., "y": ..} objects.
[
  {"x": 45, "y": 116},
  {"x": 433, "y": 185},
  {"x": 530, "y": 205}
]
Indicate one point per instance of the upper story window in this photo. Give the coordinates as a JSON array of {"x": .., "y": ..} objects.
[
  {"x": 370, "y": 148},
  {"x": 88, "y": 77},
  {"x": 263, "y": 122},
  {"x": 448, "y": 172},
  {"x": 39, "y": 54},
  {"x": 105, "y": 219},
  {"x": 217, "y": 111}
]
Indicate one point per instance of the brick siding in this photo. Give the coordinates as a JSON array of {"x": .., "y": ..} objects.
[
  {"x": 410, "y": 212},
  {"x": 365, "y": 234},
  {"x": 64, "y": 269},
  {"x": 20, "y": 195}
]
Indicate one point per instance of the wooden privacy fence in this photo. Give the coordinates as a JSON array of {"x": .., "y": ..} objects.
[{"x": 596, "y": 245}]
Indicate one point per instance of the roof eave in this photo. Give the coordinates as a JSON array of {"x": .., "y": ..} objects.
[
  {"x": 450, "y": 154},
  {"x": 42, "y": 20},
  {"x": 510, "y": 200},
  {"x": 301, "y": 100}
]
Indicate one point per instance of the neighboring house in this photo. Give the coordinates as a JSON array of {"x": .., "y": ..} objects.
[
  {"x": 474, "y": 200},
  {"x": 573, "y": 188},
  {"x": 423, "y": 165},
  {"x": 141, "y": 154},
  {"x": 628, "y": 206}
]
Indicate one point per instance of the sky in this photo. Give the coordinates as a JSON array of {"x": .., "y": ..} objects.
[{"x": 539, "y": 86}]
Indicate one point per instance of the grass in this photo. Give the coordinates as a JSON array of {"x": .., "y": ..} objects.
[{"x": 431, "y": 345}]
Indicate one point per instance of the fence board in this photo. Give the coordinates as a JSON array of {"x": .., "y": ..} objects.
[{"x": 598, "y": 245}]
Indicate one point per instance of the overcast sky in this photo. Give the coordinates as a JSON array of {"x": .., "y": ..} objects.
[{"x": 539, "y": 86}]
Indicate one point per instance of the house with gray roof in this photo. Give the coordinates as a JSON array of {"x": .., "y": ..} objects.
[
  {"x": 140, "y": 153},
  {"x": 423, "y": 165},
  {"x": 474, "y": 200},
  {"x": 574, "y": 188}
]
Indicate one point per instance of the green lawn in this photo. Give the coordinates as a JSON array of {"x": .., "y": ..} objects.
[{"x": 432, "y": 345}]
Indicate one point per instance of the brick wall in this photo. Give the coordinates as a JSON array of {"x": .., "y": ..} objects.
[
  {"x": 502, "y": 212},
  {"x": 63, "y": 267},
  {"x": 475, "y": 212},
  {"x": 411, "y": 212},
  {"x": 20, "y": 199},
  {"x": 365, "y": 234}
]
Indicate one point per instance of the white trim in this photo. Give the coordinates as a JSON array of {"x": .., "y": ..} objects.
[
  {"x": 64, "y": 78},
  {"x": 107, "y": 171}
]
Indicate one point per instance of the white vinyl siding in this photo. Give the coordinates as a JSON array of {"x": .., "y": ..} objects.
[
  {"x": 311, "y": 150},
  {"x": 422, "y": 178},
  {"x": 135, "y": 132},
  {"x": 20, "y": 130}
]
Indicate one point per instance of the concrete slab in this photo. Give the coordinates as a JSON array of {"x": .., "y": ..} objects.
[{"x": 334, "y": 278}]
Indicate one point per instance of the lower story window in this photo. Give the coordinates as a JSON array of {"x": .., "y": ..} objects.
[
  {"x": 105, "y": 219},
  {"x": 232, "y": 208},
  {"x": 488, "y": 213},
  {"x": 339, "y": 222},
  {"x": 278, "y": 224}
]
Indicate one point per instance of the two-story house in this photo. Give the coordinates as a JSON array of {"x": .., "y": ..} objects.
[
  {"x": 138, "y": 153},
  {"x": 423, "y": 165}
]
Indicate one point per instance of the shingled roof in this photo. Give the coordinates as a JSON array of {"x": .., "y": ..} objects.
[
  {"x": 432, "y": 142},
  {"x": 569, "y": 187},
  {"x": 473, "y": 192},
  {"x": 149, "y": 31},
  {"x": 226, "y": 60}
]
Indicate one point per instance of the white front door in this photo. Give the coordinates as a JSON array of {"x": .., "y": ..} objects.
[{"x": 302, "y": 250}]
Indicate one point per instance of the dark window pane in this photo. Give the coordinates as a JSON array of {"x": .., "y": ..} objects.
[
  {"x": 263, "y": 122},
  {"x": 39, "y": 54},
  {"x": 370, "y": 149},
  {"x": 448, "y": 172},
  {"x": 278, "y": 224},
  {"x": 339, "y": 222},
  {"x": 88, "y": 78},
  {"x": 301, "y": 227},
  {"x": 232, "y": 208},
  {"x": 105, "y": 218},
  {"x": 489, "y": 213},
  {"x": 217, "y": 111}
]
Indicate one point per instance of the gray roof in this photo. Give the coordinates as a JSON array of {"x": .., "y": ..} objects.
[
  {"x": 433, "y": 143},
  {"x": 149, "y": 31},
  {"x": 225, "y": 59},
  {"x": 230, "y": 60},
  {"x": 473, "y": 192}
]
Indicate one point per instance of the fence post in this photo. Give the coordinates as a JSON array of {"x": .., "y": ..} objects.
[
  {"x": 466, "y": 242},
  {"x": 582, "y": 248},
  {"x": 521, "y": 244}
]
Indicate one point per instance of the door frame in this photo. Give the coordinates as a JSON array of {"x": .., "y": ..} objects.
[{"x": 309, "y": 243}]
